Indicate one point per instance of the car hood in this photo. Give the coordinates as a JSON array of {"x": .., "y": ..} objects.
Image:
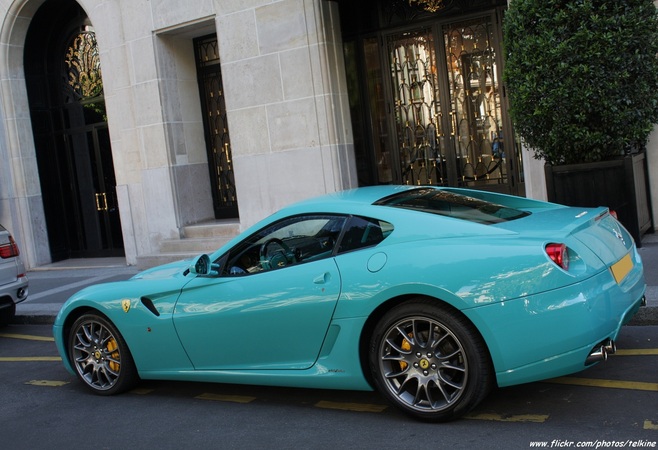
[
  {"x": 162, "y": 284},
  {"x": 170, "y": 270}
]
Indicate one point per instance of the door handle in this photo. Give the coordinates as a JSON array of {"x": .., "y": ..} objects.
[
  {"x": 101, "y": 202},
  {"x": 322, "y": 279}
]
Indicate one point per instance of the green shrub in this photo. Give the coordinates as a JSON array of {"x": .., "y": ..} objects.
[{"x": 582, "y": 76}]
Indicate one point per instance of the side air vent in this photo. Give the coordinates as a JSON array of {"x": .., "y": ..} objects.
[{"x": 149, "y": 305}]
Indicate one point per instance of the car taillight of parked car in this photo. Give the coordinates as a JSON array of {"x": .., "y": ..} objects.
[
  {"x": 9, "y": 250},
  {"x": 558, "y": 254}
]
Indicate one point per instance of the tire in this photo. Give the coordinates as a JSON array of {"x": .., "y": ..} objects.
[
  {"x": 100, "y": 356},
  {"x": 7, "y": 315},
  {"x": 429, "y": 361}
]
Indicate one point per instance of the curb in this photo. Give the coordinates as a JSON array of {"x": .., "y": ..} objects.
[{"x": 33, "y": 319}]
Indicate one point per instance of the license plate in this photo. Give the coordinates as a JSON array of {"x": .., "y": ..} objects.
[{"x": 621, "y": 268}]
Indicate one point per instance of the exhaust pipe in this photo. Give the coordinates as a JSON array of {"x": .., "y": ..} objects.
[
  {"x": 601, "y": 352},
  {"x": 598, "y": 354}
]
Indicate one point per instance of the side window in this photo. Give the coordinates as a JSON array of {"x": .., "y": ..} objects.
[
  {"x": 362, "y": 232},
  {"x": 290, "y": 241}
]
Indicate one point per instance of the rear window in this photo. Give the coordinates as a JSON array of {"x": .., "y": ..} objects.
[
  {"x": 451, "y": 204},
  {"x": 363, "y": 232}
]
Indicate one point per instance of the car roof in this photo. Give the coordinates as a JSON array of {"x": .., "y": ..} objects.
[
  {"x": 361, "y": 201},
  {"x": 349, "y": 199}
]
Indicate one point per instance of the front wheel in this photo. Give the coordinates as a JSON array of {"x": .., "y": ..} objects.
[
  {"x": 429, "y": 361},
  {"x": 100, "y": 356}
]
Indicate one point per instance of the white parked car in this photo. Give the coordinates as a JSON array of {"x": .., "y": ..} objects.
[{"x": 13, "y": 277}]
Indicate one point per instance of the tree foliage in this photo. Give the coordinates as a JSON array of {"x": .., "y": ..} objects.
[{"x": 582, "y": 76}]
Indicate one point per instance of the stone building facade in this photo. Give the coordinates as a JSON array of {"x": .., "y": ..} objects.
[
  {"x": 284, "y": 94},
  {"x": 155, "y": 129}
]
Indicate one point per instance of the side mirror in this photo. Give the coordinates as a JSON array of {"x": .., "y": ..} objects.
[{"x": 201, "y": 265}]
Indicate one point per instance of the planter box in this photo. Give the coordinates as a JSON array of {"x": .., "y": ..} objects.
[{"x": 619, "y": 184}]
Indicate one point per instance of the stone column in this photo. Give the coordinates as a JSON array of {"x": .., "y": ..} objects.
[{"x": 286, "y": 97}]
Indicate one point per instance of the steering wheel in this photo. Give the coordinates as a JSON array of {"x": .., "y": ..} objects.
[{"x": 277, "y": 258}]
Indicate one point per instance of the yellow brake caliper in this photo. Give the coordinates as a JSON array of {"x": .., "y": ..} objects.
[
  {"x": 112, "y": 348},
  {"x": 406, "y": 346}
]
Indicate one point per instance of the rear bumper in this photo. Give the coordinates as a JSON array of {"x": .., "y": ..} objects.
[
  {"x": 14, "y": 292},
  {"x": 552, "y": 334}
]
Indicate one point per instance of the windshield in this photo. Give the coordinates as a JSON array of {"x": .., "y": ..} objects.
[{"x": 454, "y": 205}]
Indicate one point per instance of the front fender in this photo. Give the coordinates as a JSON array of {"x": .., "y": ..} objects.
[{"x": 141, "y": 310}]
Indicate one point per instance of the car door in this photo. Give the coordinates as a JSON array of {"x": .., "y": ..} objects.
[{"x": 271, "y": 314}]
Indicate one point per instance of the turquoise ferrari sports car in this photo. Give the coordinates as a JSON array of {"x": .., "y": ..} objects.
[{"x": 432, "y": 296}]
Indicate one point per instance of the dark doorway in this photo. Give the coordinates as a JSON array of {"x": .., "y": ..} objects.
[
  {"x": 72, "y": 142},
  {"x": 426, "y": 94},
  {"x": 215, "y": 125}
]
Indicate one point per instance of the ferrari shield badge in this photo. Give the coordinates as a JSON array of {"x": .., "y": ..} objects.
[{"x": 125, "y": 304}]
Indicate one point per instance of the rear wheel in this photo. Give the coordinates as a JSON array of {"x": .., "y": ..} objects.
[
  {"x": 429, "y": 361},
  {"x": 100, "y": 356}
]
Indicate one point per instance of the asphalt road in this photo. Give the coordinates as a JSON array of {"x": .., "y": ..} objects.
[{"x": 611, "y": 405}]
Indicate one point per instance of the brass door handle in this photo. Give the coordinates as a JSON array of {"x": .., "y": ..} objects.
[{"x": 101, "y": 202}]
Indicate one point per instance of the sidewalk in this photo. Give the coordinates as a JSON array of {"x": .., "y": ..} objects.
[
  {"x": 648, "y": 315},
  {"x": 52, "y": 284}
]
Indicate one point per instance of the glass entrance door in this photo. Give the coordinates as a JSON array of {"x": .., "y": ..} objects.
[
  {"x": 419, "y": 122},
  {"x": 448, "y": 117},
  {"x": 476, "y": 117}
]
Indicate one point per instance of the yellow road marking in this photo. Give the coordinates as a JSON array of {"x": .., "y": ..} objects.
[
  {"x": 29, "y": 358},
  {"x": 636, "y": 352},
  {"x": 649, "y": 425},
  {"x": 616, "y": 384},
  {"x": 226, "y": 398},
  {"x": 27, "y": 337},
  {"x": 360, "y": 407},
  {"x": 535, "y": 418},
  {"x": 49, "y": 383}
]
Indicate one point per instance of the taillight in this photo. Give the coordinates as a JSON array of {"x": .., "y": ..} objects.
[
  {"x": 9, "y": 250},
  {"x": 613, "y": 213},
  {"x": 558, "y": 254}
]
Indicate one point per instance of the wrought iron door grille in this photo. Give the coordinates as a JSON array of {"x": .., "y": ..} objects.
[
  {"x": 218, "y": 144},
  {"x": 417, "y": 107},
  {"x": 476, "y": 119},
  {"x": 82, "y": 71}
]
